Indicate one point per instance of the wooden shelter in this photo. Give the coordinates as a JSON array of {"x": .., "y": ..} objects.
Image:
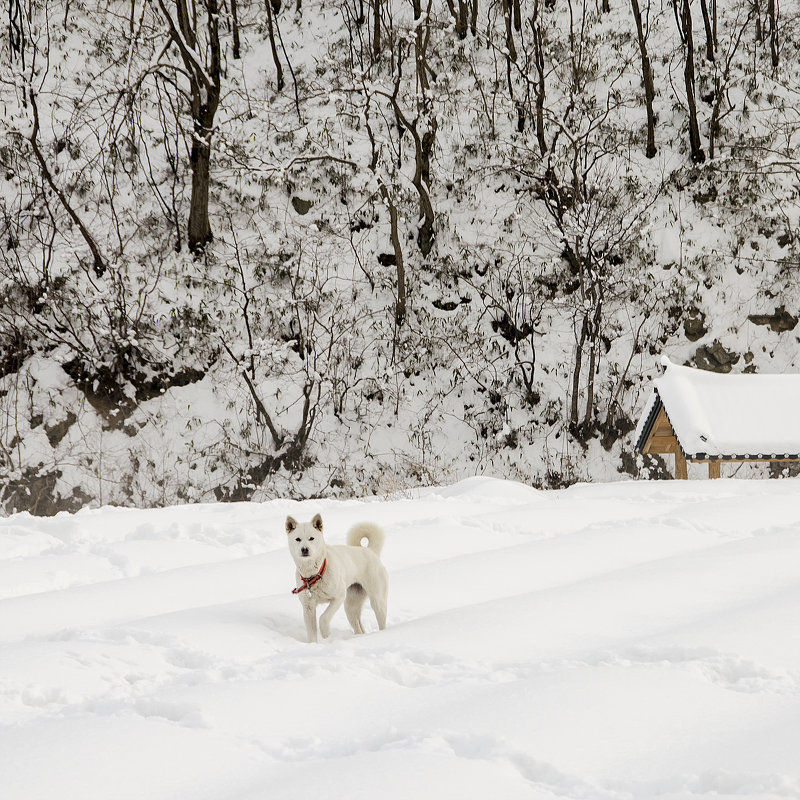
[{"x": 707, "y": 417}]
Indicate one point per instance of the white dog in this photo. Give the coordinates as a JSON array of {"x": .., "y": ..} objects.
[{"x": 337, "y": 574}]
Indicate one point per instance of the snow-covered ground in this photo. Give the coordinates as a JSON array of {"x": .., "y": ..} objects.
[{"x": 628, "y": 640}]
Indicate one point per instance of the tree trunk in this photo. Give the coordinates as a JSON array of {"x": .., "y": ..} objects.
[
  {"x": 508, "y": 15},
  {"x": 539, "y": 85},
  {"x": 685, "y": 22},
  {"x": 576, "y": 374},
  {"x": 205, "y": 100},
  {"x": 423, "y": 144},
  {"x": 647, "y": 79},
  {"x": 461, "y": 22},
  {"x": 400, "y": 307},
  {"x": 394, "y": 233},
  {"x": 199, "y": 229},
  {"x": 772, "y": 13},
  {"x": 424, "y": 149},
  {"x": 594, "y": 343},
  {"x": 237, "y": 53},
  {"x": 99, "y": 262},
  {"x": 274, "y": 48},
  {"x": 16, "y": 30},
  {"x": 204, "y": 68},
  {"x": 711, "y": 43},
  {"x": 376, "y": 31}
]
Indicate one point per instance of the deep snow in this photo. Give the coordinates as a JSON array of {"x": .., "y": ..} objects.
[{"x": 629, "y": 640}]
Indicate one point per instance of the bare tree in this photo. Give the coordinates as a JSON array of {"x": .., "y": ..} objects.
[
  {"x": 710, "y": 29},
  {"x": 508, "y": 17},
  {"x": 772, "y": 16},
  {"x": 376, "y": 29},
  {"x": 199, "y": 46},
  {"x": 16, "y": 30},
  {"x": 394, "y": 226},
  {"x": 540, "y": 90},
  {"x": 683, "y": 17},
  {"x": 99, "y": 261},
  {"x": 722, "y": 79},
  {"x": 237, "y": 45},
  {"x": 271, "y": 11},
  {"x": 422, "y": 124},
  {"x": 647, "y": 78}
]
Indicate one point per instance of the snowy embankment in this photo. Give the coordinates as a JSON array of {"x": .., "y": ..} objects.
[{"x": 633, "y": 640}]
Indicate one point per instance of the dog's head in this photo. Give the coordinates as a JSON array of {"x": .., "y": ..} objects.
[{"x": 306, "y": 542}]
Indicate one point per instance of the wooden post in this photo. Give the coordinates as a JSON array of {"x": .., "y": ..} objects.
[
  {"x": 681, "y": 472},
  {"x": 713, "y": 469}
]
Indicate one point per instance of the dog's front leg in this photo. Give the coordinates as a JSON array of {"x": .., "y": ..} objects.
[
  {"x": 327, "y": 614},
  {"x": 310, "y": 618}
]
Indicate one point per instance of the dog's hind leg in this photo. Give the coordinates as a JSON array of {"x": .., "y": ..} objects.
[
  {"x": 353, "y": 604},
  {"x": 378, "y": 590},
  {"x": 378, "y": 603}
]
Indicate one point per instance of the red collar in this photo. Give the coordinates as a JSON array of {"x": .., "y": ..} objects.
[{"x": 314, "y": 579}]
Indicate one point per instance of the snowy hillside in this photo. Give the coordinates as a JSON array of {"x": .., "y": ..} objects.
[
  {"x": 618, "y": 641},
  {"x": 334, "y": 248}
]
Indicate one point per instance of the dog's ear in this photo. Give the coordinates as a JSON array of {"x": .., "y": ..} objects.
[
  {"x": 291, "y": 524},
  {"x": 317, "y": 522}
]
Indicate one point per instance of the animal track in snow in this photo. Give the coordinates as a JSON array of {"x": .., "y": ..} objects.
[{"x": 727, "y": 670}]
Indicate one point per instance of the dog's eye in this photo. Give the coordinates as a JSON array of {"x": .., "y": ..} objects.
[
  {"x": 310, "y": 538},
  {"x": 297, "y": 539}
]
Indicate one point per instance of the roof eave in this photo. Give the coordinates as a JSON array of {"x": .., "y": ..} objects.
[
  {"x": 648, "y": 426},
  {"x": 744, "y": 457}
]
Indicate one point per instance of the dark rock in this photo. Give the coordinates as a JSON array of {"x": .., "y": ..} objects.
[
  {"x": 784, "y": 469},
  {"x": 780, "y": 321},
  {"x": 653, "y": 466},
  {"x": 301, "y": 206},
  {"x": 13, "y": 352},
  {"x": 35, "y": 492},
  {"x": 55, "y": 433},
  {"x": 509, "y": 331},
  {"x": 702, "y": 197},
  {"x": 694, "y": 324},
  {"x": 615, "y": 431},
  {"x": 715, "y": 358},
  {"x": 106, "y": 391},
  {"x": 450, "y": 305}
]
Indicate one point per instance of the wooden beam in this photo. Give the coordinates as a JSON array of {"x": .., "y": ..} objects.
[
  {"x": 681, "y": 472},
  {"x": 662, "y": 424},
  {"x": 661, "y": 444},
  {"x": 713, "y": 469}
]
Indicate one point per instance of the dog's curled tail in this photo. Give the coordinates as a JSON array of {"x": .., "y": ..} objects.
[{"x": 371, "y": 532}]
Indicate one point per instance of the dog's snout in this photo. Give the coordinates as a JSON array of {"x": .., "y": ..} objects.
[{"x": 303, "y": 551}]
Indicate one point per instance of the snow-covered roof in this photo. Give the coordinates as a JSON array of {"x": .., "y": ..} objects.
[{"x": 719, "y": 416}]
